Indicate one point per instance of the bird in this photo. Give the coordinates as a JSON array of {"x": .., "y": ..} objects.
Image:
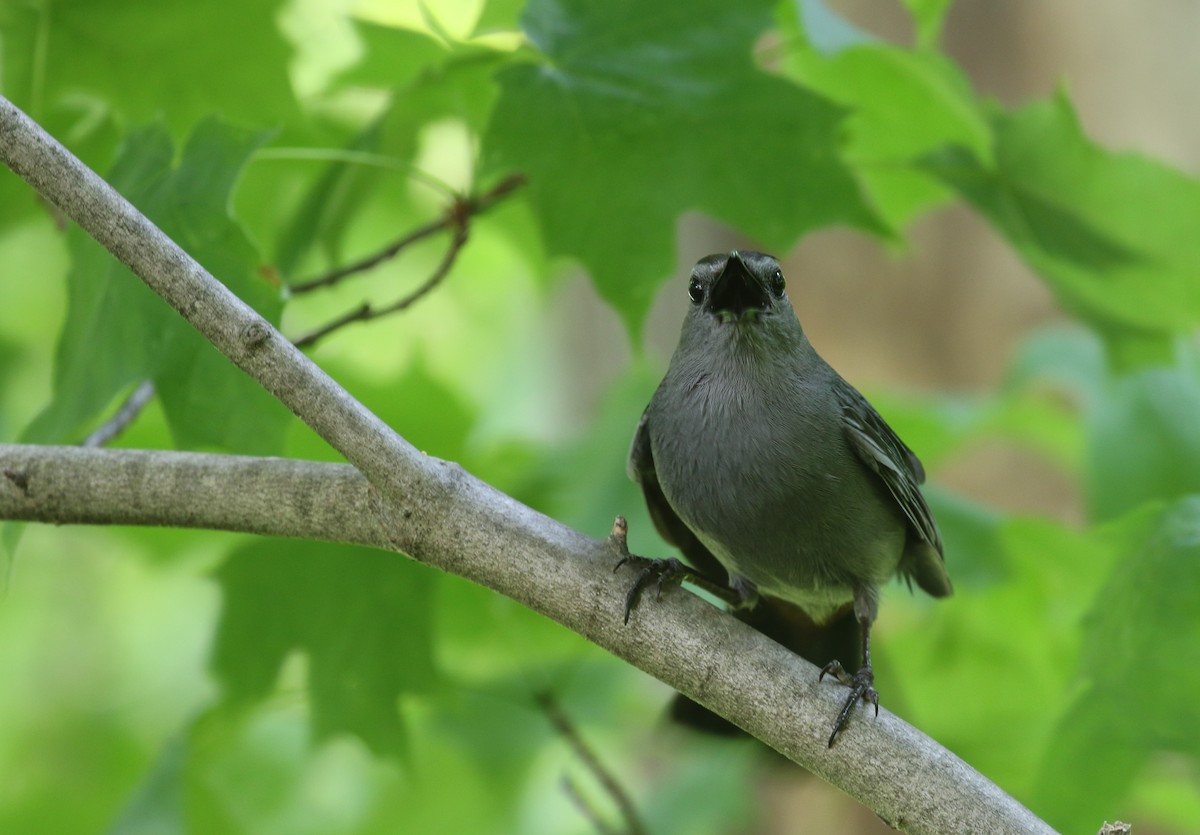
[{"x": 785, "y": 490}]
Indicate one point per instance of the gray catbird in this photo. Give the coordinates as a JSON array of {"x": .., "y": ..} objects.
[{"x": 777, "y": 480}]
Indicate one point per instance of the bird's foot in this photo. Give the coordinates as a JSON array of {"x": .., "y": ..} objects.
[
  {"x": 659, "y": 573},
  {"x": 862, "y": 686},
  {"x": 669, "y": 572}
]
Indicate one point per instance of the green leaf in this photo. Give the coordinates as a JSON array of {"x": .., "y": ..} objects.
[
  {"x": 639, "y": 112},
  {"x": 929, "y": 16},
  {"x": 179, "y": 63},
  {"x": 1066, "y": 357},
  {"x": 115, "y": 327},
  {"x": 392, "y": 57},
  {"x": 362, "y": 618},
  {"x": 1135, "y": 678},
  {"x": 972, "y": 534},
  {"x": 996, "y": 655},
  {"x": 329, "y": 206},
  {"x": 499, "y": 16},
  {"x": 1112, "y": 234},
  {"x": 158, "y": 805},
  {"x": 118, "y": 332},
  {"x": 903, "y": 105},
  {"x": 1144, "y": 443}
]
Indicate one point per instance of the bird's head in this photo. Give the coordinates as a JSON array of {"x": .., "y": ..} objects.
[
  {"x": 739, "y": 297},
  {"x": 737, "y": 285}
]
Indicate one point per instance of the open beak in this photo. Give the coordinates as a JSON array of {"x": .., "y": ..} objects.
[{"x": 736, "y": 291}]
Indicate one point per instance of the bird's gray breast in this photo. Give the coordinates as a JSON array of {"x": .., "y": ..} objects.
[{"x": 759, "y": 468}]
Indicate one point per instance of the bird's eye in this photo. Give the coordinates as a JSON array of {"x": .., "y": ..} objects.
[
  {"x": 696, "y": 291},
  {"x": 776, "y": 284}
]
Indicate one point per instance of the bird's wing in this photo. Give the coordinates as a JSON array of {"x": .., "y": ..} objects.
[
  {"x": 887, "y": 456},
  {"x": 641, "y": 460},
  {"x": 673, "y": 529}
]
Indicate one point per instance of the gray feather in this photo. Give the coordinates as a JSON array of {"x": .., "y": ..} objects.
[{"x": 884, "y": 453}]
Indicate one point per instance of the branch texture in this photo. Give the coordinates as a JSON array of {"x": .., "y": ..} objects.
[{"x": 436, "y": 512}]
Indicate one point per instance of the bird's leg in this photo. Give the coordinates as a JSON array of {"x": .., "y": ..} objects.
[
  {"x": 663, "y": 572},
  {"x": 862, "y": 683}
]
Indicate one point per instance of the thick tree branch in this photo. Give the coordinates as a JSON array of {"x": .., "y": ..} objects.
[
  {"x": 437, "y": 513},
  {"x": 267, "y": 496},
  {"x": 905, "y": 776}
]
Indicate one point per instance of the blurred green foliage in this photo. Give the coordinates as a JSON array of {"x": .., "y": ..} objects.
[
  {"x": 171, "y": 681},
  {"x": 619, "y": 98},
  {"x": 117, "y": 332}
]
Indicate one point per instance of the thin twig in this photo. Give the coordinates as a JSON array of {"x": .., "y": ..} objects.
[
  {"x": 390, "y": 251},
  {"x": 365, "y": 312},
  {"x": 561, "y": 723},
  {"x": 585, "y": 808},
  {"x": 119, "y": 422},
  {"x": 455, "y": 217},
  {"x": 144, "y": 393}
]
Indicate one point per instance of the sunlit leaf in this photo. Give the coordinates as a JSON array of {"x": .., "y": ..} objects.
[
  {"x": 1113, "y": 234},
  {"x": 903, "y": 105},
  {"x": 929, "y": 17},
  {"x": 1135, "y": 683},
  {"x": 176, "y": 64},
  {"x": 499, "y": 16},
  {"x": 1144, "y": 443}
]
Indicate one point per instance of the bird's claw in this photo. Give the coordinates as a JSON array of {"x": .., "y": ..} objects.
[
  {"x": 658, "y": 572},
  {"x": 862, "y": 686},
  {"x": 668, "y": 572}
]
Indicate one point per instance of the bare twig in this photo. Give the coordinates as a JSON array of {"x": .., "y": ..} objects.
[
  {"x": 456, "y": 217},
  {"x": 562, "y": 723},
  {"x": 585, "y": 808},
  {"x": 366, "y": 312},
  {"x": 125, "y": 415},
  {"x": 144, "y": 393},
  {"x": 364, "y": 264}
]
